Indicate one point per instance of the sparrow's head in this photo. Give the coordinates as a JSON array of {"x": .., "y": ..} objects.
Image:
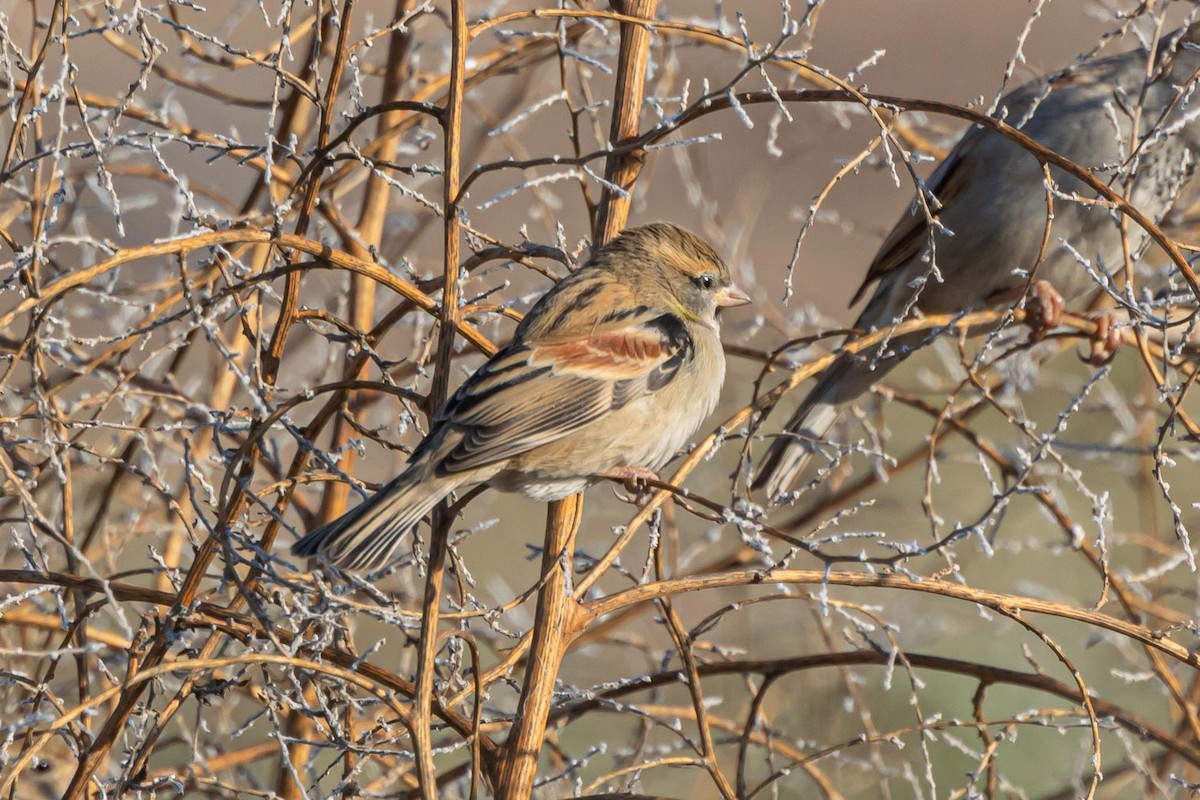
[{"x": 671, "y": 267}]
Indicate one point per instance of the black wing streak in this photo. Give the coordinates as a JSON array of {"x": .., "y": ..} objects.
[{"x": 485, "y": 444}]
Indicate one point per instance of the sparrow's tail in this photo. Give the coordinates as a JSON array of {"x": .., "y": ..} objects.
[
  {"x": 845, "y": 380},
  {"x": 790, "y": 453},
  {"x": 364, "y": 538}
]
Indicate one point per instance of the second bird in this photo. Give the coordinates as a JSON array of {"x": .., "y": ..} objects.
[
  {"x": 991, "y": 200},
  {"x": 612, "y": 370}
]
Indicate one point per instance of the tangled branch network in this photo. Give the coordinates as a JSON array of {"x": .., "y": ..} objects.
[{"x": 940, "y": 548}]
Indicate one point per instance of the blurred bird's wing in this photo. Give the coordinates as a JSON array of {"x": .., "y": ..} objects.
[
  {"x": 532, "y": 393},
  {"x": 908, "y": 239}
]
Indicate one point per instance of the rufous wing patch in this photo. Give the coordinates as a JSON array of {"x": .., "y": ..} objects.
[{"x": 615, "y": 355}]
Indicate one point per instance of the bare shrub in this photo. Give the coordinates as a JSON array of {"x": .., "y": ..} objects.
[{"x": 249, "y": 248}]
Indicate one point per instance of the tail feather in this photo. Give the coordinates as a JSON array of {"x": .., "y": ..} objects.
[
  {"x": 790, "y": 453},
  {"x": 364, "y": 538},
  {"x": 846, "y": 379}
]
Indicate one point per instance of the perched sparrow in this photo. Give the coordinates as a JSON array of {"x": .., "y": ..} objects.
[
  {"x": 611, "y": 371},
  {"x": 990, "y": 202}
]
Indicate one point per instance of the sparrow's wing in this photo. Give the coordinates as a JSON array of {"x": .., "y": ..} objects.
[
  {"x": 910, "y": 236},
  {"x": 535, "y": 392}
]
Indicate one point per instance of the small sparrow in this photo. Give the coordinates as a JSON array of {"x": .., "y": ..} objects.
[
  {"x": 989, "y": 199},
  {"x": 611, "y": 371}
]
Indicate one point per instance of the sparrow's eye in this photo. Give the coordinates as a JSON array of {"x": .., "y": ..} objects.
[{"x": 705, "y": 281}]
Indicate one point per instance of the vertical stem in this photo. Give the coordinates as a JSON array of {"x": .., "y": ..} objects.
[
  {"x": 628, "y": 93},
  {"x": 683, "y": 644},
  {"x": 300, "y": 727},
  {"x": 554, "y": 627},
  {"x": 291, "y": 288},
  {"x": 128, "y": 700},
  {"x": 370, "y": 232},
  {"x": 555, "y": 621},
  {"x": 452, "y": 129},
  {"x": 30, "y": 92}
]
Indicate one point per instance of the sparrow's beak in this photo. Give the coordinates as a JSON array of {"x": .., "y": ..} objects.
[{"x": 731, "y": 295}]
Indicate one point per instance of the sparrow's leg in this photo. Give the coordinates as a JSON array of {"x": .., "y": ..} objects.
[
  {"x": 1045, "y": 311},
  {"x": 1106, "y": 341},
  {"x": 1045, "y": 307},
  {"x": 636, "y": 480}
]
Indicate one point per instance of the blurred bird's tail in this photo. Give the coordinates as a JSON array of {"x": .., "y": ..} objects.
[
  {"x": 790, "y": 453},
  {"x": 846, "y": 379},
  {"x": 364, "y": 538}
]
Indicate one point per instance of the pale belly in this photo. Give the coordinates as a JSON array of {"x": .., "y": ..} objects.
[{"x": 647, "y": 432}]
